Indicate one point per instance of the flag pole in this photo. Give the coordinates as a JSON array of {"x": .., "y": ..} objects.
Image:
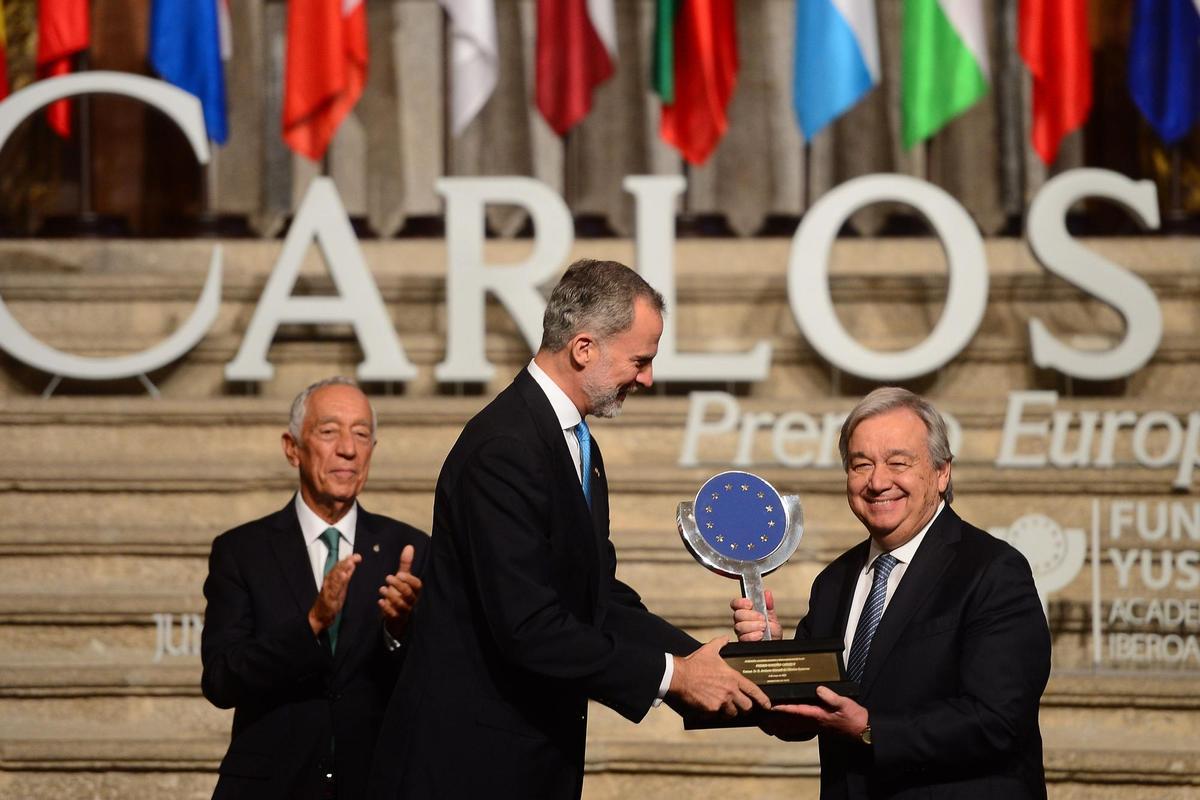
[
  {"x": 88, "y": 218},
  {"x": 1175, "y": 211}
]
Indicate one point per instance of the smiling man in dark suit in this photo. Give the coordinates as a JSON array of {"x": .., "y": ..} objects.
[
  {"x": 307, "y": 610},
  {"x": 523, "y": 619},
  {"x": 942, "y": 625}
]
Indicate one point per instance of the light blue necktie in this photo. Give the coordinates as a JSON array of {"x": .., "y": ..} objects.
[
  {"x": 331, "y": 537},
  {"x": 584, "y": 435},
  {"x": 871, "y": 614}
]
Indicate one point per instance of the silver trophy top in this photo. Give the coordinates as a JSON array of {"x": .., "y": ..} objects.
[
  {"x": 740, "y": 527},
  {"x": 739, "y": 523}
]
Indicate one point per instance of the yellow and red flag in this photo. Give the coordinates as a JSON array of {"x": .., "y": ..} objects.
[{"x": 4, "y": 84}]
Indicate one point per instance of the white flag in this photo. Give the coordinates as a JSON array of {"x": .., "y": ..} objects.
[{"x": 474, "y": 58}]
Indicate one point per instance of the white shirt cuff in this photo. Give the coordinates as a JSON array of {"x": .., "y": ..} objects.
[{"x": 665, "y": 684}]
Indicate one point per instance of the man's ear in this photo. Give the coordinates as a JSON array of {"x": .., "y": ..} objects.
[
  {"x": 584, "y": 349},
  {"x": 290, "y": 449}
]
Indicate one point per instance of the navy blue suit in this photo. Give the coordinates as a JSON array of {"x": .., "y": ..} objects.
[
  {"x": 954, "y": 676},
  {"x": 522, "y": 620}
]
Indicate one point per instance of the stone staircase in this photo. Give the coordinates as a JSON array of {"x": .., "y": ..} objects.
[{"x": 111, "y": 497}]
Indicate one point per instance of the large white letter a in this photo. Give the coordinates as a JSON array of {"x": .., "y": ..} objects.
[{"x": 358, "y": 303}]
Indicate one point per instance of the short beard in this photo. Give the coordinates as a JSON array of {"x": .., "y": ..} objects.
[{"x": 606, "y": 403}]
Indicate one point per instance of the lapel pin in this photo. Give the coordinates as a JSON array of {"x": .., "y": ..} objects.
[
  {"x": 596, "y": 471},
  {"x": 374, "y": 548}
]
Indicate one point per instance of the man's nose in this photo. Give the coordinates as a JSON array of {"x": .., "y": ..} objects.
[
  {"x": 645, "y": 376},
  {"x": 346, "y": 446},
  {"x": 880, "y": 479}
]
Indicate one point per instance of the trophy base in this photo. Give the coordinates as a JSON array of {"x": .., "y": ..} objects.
[{"x": 787, "y": 670}]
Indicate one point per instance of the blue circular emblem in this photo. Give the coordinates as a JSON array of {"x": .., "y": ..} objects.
[{"x": 740, "y": 516}]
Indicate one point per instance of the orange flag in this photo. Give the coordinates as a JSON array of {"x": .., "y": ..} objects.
[
  {"x": 63, "y": 31},
  {"x": 326, "y": 71}
]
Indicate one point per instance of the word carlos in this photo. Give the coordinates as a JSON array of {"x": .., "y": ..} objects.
[{"x": 322, "y": 218}]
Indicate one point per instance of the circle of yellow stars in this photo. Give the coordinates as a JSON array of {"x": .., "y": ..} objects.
[{"x": 768, "y": 508}]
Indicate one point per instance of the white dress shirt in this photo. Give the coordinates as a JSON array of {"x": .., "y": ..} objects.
[
  {"x": 904, "y": 555},
  {"x": 313, "y": 527},
  {"x": 568, "y": 417}
]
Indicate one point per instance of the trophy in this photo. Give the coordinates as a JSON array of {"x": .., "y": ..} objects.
[{"x": 739, "y": 526}]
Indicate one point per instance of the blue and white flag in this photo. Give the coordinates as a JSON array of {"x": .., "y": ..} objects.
[
  {"x": 1164, "y": 65},
  {"x": 837, "y": 59},
  {"x": 185, "y": 49}
]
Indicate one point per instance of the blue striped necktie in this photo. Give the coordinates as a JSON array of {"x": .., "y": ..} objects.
[
  {"x": 871, "y": 614},
  {"x": 585, "y": 459}
]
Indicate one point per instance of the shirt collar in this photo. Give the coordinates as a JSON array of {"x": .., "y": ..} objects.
[
  {"x": 312, "y": 526},
  {"x": 568, "y": 415},
  {"x": 905, "y": 552}
]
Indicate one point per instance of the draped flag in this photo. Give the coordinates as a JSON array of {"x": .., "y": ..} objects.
[
  {"x": 474, "y": 58},
  {"x": 695, "y": 71},
  {"x": 944, "y": 64},
  {"x": 326, "y": 71},
  {"x": 576, "y": 50},
  {"x": 4, "y": 84},
  {"x": 1164, "y": 65},
  {"x": 63, "y": 31},
  {"x": 185, "y": 49},
  {"x": 1053, "y": 41},
  {"x": 837, "y": 59}
]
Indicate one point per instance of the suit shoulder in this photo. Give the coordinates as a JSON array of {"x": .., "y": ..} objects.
[
  {"x": 985, "y": 544},
  {"x": 247, "y": 532}
]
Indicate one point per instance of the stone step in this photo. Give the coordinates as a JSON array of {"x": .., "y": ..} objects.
[
  {"x": 167, "y": 726},
  {"x": 126, "y": 473},
  {"x": 76, "y": 295},
  {"x": 651, "y": 431},
  {"x": 795, "y": 370}
]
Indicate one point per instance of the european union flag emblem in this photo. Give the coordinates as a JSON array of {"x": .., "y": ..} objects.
[{"x": 740, "y": 516}]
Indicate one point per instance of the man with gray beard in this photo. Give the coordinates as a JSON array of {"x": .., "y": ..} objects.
[{"x": 523, "y": 620}]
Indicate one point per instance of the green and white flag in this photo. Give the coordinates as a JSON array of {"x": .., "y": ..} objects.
[{"x": 944, "y": 64}]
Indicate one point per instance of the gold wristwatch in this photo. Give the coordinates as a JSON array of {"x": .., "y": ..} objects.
[{"x": 865, "y": 735}]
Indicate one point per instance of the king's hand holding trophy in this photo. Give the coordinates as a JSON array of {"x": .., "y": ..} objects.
[{"x": 740, "y": 527}]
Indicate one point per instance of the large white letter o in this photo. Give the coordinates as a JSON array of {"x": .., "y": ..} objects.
[{"x": 808, "y": 278}]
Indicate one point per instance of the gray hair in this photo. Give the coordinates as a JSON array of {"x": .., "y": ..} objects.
[
  {"x": 891, "y": 398},
  {"x": 596, "y": 296},
  {"x": 300, "y": 404}
]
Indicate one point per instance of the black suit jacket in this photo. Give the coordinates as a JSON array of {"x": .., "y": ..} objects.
[
  {"x": 521, "y": 621},
  {"x": 289, "y": 693},
  {"x": 954, "y": 675}
]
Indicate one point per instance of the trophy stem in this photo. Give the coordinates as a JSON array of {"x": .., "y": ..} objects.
[{"x": 752, "y": 587}]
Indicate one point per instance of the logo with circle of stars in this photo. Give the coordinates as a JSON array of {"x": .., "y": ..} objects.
[{"x": 740, "y": 516}]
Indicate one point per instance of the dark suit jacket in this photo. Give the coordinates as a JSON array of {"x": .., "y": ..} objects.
[
  {"x": 521, "y": 621},
  {"x": 261, "y": 658},
  {"x": 954, "y": 676}
]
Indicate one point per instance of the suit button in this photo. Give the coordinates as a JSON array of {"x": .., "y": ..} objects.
[{"x": 335, "y": 695}]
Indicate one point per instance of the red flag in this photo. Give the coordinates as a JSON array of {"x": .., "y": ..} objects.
[
  {"x": 1054, "y": 44},
  {"x": 326, "y": 70},
  {"x": 63, "y": 31},
  {"x": 705, "y": 70},
  {"x": 571, "y": 61}
]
